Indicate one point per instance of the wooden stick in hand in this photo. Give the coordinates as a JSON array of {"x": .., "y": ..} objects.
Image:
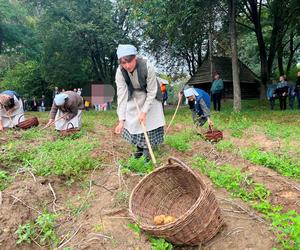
[
  {"x": 49, "y": 125},
  {"x": 145, "y": 134}
]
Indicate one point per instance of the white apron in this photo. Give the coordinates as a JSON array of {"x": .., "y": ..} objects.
[
  {"x": 63, "y": 124},
  {"x": 16, "y": 117}
]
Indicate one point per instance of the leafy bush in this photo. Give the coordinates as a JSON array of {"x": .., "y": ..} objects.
[
  {"x": 41, "y": 230},
  {"x": 140, "y": 166},
  {"x": 160, "y": 244}
]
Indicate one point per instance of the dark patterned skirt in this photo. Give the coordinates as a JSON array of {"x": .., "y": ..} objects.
[{"x": 156, "y": 136}]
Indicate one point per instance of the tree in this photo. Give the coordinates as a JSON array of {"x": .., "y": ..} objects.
[
  {"x": 235, "y": 62},
  {"x": 276, "y": 14},
  {"x": 176, "y": 32},
  {"x": 26, "y": 79}
]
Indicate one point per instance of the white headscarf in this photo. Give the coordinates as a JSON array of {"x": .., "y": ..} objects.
[
  {"x": 189, "y": 92},
  {"x": 126, "y": 50},
  {"x": 59, "y": 99}
]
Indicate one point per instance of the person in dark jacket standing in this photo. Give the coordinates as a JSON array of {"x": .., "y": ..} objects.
[
  {"x": 216, "y": 91},
  {"x": 281, "y": 91},
  {"x": 33, "y": 104}
]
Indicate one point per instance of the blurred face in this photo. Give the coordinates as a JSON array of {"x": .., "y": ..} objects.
[
  {"x": 281, "y": 78},
  {"x": 191, "y": 98},
  {"x": 298, "y": 73},
  {"x": 128, "y": 63},
  {"x": 217, "y": 76}
]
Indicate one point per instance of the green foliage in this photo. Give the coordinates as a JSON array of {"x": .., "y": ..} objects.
[
  {"x": 41, "y": 230},
  {"x": 135, "y": 228},
  {"x": 32, "y": 133},
  {"x": 287, "y": 229},
  {"x": 285, "y": 225},
  {"x": 281, "y": 164},
  {"x": 140, "y": 166},
  {"x": 25, "y": 78},
  {"x": 181, "y": 141},
  {"x": 225, "y": 145},
  {"x": 108, "y": 118},
  {"x": 5, "y": 179},
  {"x": 236, "y": 122},
  {"x": 160, "y": 244},
  {"x": 25, "y": 233},
  {"x": 239, "y": 184},
  {"x": 278, "y": 130},
  {"x": 63, "y": 158},
  {"x": 13, "y": 154}
]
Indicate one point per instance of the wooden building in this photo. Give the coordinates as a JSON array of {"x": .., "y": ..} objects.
[{"x": 248, "y": 80}]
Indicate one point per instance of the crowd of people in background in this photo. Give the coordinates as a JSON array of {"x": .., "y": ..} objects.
[
  {"x": 40, "y": 104},
  {"x": 283, "y": 91}
]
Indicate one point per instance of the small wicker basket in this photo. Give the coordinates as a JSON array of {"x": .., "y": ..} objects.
[
  {"x": 178, "y": 191},
  {"x": 213, "y": 135},
  {"x": 69, "y": 131}
]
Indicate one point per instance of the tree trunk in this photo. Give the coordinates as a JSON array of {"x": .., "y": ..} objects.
[
  {"x": 210, "y": 54},
  {"x": 280, "y": 57},
  {"x": 235, "y": 62}
]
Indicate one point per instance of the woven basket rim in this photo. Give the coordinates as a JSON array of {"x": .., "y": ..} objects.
[
  {"x": 34, "y": 118},
  {"x": 184, "y": 215}
]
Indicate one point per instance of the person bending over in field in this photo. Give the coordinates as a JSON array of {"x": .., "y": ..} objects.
[
  {"x": 68, "y": 105},
  {"x": 199, "y": 103},
  {"x": 11, "y": 109}
]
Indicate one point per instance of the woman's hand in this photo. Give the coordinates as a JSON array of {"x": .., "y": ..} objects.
[
  {"x": 210, "y": 122},
  {"x": 9, "y": 112},
  {"x": 49, "y": 123},
  {"x": 142, "y": 118},
  {"x": 1, "y": 126},
  {"x": 119, "y": 128}
]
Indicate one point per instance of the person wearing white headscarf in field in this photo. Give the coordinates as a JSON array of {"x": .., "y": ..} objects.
[
  {"x": 70, "y": 105},
  {"x": 199, "y": 103},
  {"x": 11, "y": 109},
  {"x": 136, "y": 80}
]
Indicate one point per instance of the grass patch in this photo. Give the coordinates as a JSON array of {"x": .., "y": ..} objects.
[
  {"x": 139, "y": 166},
  {"x": 280, "y": 163},
  {"x": 63, "y": 158},
  {"x": 286, "y": 226},
  {"x": 182, "y": 141},
  {"x": 5, "y": 179}
]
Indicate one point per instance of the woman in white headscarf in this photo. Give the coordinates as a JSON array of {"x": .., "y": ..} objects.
[
  {"x": 136, "y": 81},
  {"x": 69, "y": 105},
  {"x": 199, "y": 102},
  {"x": 11, "y": 109}
]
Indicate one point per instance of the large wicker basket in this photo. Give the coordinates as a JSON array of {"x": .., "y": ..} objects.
[
  {"x": 178, "y": 191},
  {"x": 29, "y": 123}
]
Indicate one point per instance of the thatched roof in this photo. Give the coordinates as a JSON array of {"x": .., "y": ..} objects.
[{"x": 223, "y": 66}]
